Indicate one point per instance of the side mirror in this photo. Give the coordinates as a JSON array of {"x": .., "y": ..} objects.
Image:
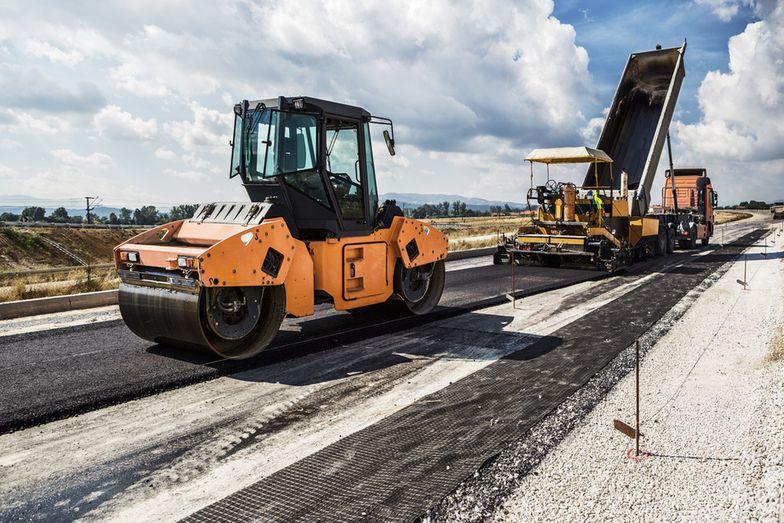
[{"x": 390, "y": 143}]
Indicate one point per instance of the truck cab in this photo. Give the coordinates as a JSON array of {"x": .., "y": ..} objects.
[{"x": 688, "y": 195}]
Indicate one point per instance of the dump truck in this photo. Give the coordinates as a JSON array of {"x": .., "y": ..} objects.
[
  {"x": 777, "y": 210},
  {"x": 312, "y": 232},
  {"x": 688, "y": 204},
  {"x": 605, "y": 222}
]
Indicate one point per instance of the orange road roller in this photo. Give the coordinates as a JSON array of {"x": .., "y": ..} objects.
[{"x": 313, "y": 232}]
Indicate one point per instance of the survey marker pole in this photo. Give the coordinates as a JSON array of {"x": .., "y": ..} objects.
[{"x": 637, "y": 385}]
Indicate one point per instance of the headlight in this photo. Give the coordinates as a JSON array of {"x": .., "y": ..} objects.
[
  {"x": 186, "y": 262},
  {"x": 129, "y": 256}
]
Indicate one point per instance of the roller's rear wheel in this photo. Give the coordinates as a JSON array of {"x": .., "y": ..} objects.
[
  {"x": 230, "y": 322},
  {"x": 420, "y": 288}
]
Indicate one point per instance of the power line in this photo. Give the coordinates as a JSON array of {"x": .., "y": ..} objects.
[{"x": 92, "y": 203}]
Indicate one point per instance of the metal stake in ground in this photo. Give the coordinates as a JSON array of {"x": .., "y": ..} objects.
[
  {"x": 637, "y": 394},
  {"x": 743, "y": 281},
  {"x": 620, "y": 425}
]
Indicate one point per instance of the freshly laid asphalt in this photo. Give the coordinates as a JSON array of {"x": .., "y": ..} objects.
[
  {"x": 56, "y": 373},
  {"x": 394, "y": 469},
  {"x": 397, "y": 468}
]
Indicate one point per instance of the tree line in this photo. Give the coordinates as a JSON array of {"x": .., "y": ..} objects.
[
  {"x": 145, "y": 215},
  {"x": 458, "y": 209}
]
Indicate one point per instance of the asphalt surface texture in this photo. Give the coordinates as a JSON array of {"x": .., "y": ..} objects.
[
  {"x": 394, "y": 470},
  {"x": 56, "y": 373}
]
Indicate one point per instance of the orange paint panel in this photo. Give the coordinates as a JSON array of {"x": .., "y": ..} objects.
[
  {"x": 364, "y": 270},
  {"x": 299, "y": 283},
  {"x": 431, "y": 244},
  {"x": 328, "y": 269},
  {"x": 157, "y": 235},
  {"x": 163, "y": 256},
  {"x": 239, "y": 259},
  {"x": 197, "y": 233}
]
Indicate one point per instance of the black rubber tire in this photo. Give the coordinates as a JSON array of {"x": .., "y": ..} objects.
[
  {"x": 670, "y": 240},
  {"x": 691, "y": 243},
  {"x": 660, "y": 247},
  {"x": 433, "y": 293},
  {"x": 273, "y": 310},
  {"x": 705, "y": 242}
]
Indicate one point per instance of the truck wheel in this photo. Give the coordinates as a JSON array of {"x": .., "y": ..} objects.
[
  {"x": 660, "y": 247},
  {"x": 692, "y": 241},
  {"x": 704, "y": 242},
  {"x": 670, "y": 240}
]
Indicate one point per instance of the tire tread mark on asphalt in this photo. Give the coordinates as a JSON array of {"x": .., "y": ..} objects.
[
  {"x": 399, "y": 467},
  {"x": 169, "y": 369}
]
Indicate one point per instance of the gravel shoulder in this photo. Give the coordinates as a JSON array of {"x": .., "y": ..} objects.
[{"x": 712, "y": 397}]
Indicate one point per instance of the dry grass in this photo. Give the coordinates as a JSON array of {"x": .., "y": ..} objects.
[
  {"x": 21, "y": 289},
  {"x": 461, "y": 245},
  {"x": 463, "y": 229},
  {"x": 22, "y": 249},
  {"x": 776, "y": 348},
  {"x": 730, "y": 216}
]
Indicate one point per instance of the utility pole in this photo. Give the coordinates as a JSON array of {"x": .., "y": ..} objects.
[{"x": 92, "y": 203}]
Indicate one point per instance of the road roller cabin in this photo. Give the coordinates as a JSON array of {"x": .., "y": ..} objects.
[{"x": 312, "y": 232}]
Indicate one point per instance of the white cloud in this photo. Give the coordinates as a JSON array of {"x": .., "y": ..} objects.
[
  {"x": 742, "y": 130},
  {"x": 446, "y": 74},
  {"x": 132, "y": 78},
  {"x": 39, "y": 48},
  {"x": 164, "y": 154},
  {"x": 209, "y": 128},
  {"x": 186, "y": 175},
  {"x": 20, "y": 122},
  {"x": 726, "y": 10},
  {"x": 114, "y": 123},
  {"x": 7, "y": 172},
  {"x": 593, "y": 129},
  {"x": 160, "y": 63},
  {"x": 71, "y": 159},
  {"x": 470, "y": 87}
]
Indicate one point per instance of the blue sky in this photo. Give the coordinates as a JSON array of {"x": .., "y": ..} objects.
[
  {"x": 132, "y": 101},
  {"x": 610, "y": 30}
]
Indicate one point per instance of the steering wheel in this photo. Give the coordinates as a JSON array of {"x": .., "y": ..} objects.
[
  {"x": 553, "y": 187},
  {"x": 344, "y": 179}
]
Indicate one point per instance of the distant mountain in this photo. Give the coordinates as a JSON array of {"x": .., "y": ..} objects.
[
  {"x": 98, "y": 211},
  {"x": 409, "y": 200},
  {"x": 16, "y": 203}
]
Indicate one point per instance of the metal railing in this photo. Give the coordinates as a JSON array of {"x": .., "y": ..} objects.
[{"x": 73, "y": 225}]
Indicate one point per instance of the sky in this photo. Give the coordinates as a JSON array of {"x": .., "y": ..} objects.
[{"x": 132, "y": 101}]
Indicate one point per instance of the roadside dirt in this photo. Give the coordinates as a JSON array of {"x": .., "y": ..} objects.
[
  {"x": 776, "y": 349},
  {"x": 731, "y": 216},
  {"x": 22, "y": 249}
]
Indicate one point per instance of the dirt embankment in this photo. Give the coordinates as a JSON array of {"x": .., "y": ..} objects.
[
  {"x": 22, "y": 249},
  {"x": 731, "y": 216}
]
